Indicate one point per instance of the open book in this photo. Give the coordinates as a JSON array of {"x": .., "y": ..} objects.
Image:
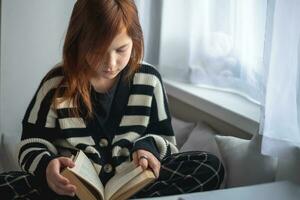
[{"x": 123, "y": 185}]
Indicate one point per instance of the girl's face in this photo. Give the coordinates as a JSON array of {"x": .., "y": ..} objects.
[{"x": 117, "y": 57}]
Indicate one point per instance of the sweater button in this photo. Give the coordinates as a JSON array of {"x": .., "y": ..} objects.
[
  {"x": 108, "y": 168},
  {"x": 103, "y": 142}
]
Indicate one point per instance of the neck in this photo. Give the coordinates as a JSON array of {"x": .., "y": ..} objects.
[{"x": 103, "y": 85}]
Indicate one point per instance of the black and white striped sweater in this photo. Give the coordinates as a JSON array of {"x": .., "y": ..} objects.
[{"x": 144, "y": 124}]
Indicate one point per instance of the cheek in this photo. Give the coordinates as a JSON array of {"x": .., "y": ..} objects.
[{"x": 123, "y": 60}]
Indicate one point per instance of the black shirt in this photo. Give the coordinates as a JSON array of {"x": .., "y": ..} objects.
[{"x": 103, "y": 127}]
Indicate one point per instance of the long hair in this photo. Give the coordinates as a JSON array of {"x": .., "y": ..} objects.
[{"x": 92, "y": 28}]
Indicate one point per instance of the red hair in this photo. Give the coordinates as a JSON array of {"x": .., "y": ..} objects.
[{"x": 92, "y": 28}]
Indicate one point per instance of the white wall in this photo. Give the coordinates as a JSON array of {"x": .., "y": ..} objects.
[
  {"x": 32, "y": 35},
  {"x": 150, "y": 18}
]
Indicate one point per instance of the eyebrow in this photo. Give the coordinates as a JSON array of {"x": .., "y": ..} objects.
[{"x": 122, "y": 46}]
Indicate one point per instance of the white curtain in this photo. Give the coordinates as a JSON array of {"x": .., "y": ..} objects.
[
  {"x": 281, "y": 122},
  {"x": 251, "y": 47},
  {"x": 212, "y": 43}
]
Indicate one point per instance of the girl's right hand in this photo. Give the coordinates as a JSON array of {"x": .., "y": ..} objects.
[{"x": 55, "y": 180}]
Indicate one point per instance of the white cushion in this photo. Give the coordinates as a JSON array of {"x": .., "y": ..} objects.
[
  {"x": 244, "y": 163},
  {"x": 202, "y": 138},
  {"x": 288, "y": 166},
  {"x": 182, "y": 130}
]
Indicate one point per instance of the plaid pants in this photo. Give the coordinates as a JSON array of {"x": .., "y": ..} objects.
[
  {"x": 180, "y": 173},
  {"x": 18, "y": 185},
  {"x": 185, "y": 173}
]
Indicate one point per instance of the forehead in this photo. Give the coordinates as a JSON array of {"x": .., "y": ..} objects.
[{"x": 121, "y": 39}]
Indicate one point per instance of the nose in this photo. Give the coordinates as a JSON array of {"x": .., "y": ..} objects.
[{"x": 111, "y": 61}]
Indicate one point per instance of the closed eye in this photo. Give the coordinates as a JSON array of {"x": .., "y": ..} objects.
[{"x": 121, "y": 50}]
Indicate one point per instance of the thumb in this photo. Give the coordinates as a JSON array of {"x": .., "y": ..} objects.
[{"x": 66, "y": 162}]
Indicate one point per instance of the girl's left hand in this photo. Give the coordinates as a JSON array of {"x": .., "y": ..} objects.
[{"x": 146, "y": 159}]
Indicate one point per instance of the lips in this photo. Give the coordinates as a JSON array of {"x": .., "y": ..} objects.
[{"x": 108, "y": 71}]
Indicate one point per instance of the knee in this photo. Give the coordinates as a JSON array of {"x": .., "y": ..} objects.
[
  {"x": 208, "y": 168},
  {"x": 214, "y": 170}
]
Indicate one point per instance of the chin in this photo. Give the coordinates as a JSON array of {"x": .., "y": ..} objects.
[{"x": 109, "y": 76}]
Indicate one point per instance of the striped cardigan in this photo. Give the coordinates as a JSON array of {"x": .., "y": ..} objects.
[{"x": 144, "y": 124}]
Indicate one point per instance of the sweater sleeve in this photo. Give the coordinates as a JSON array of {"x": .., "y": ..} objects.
[
  {"x": 40, "y": 129},
  {"x": 159, "y": 137}
]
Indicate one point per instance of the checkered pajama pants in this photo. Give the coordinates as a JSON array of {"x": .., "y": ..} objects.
[{"x": 180, "y": 173}]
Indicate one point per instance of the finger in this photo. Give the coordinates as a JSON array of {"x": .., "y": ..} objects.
[
  {"x": 69, "y": 188},
  {"x": 135, "y": 158},
  {"x": 58, "y": 178},
  {"x": 60, "y": 191},
  {"x": 156, "y": 170},
  {"x": 54, "y": 173},
  {"x": 66, "y": 162},
  {"x": 143, "y": 163},
  {"x": 155, "y": 165}
]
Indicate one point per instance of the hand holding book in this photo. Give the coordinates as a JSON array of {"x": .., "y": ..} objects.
[
  {"x": 55, "y": 180},
  {"x": 121, "y": 186},
  {"x": 146, "y": 160}
]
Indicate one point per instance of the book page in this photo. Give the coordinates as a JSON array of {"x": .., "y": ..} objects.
[
  {"x": 85, "y": 170},
  {"x": 121, "y": 178},
  {"x": 134, "y": 185}
]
